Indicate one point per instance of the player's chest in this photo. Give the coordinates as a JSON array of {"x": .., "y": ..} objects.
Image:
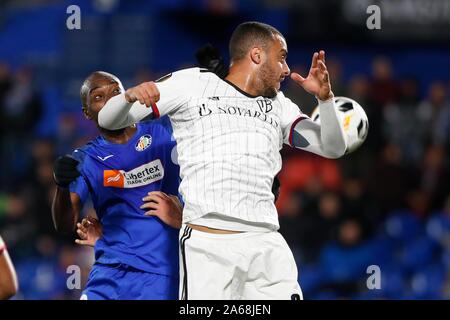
[
  {"x": 231, "y": 112},
  {"x": 130, "y": 168}
]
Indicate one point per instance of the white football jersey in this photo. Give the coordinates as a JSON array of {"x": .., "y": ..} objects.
[{"x": 228, "y": 145}]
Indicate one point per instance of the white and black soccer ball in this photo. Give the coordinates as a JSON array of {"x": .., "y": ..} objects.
[{"x": 354, "y": 121}]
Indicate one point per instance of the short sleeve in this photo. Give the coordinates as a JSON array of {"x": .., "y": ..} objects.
[
  {"x": 80, "y": 187},
  {"x": 290, "y": 116},
  {"x": 175, "y": 90}
]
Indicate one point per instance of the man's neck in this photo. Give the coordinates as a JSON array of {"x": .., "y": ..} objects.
[
  {"x": 120, "y": 136},
  {"x": 243, "y": 78}
]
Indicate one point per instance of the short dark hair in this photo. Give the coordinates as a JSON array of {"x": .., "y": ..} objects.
[
  {"x": 86, "y": 86},
  {"x": 248, "y": 34}
]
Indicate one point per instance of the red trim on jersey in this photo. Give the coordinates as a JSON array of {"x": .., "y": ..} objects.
[
  {"x": 293, "y": 126},
  {"x": 2, "y": 249},
  {"x": 155, "y": 111}
]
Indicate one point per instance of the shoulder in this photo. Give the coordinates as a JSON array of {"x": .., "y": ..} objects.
[
  {"x": 83, "y": 153},
  {"x": 189, "y": 76},
  {"x": 193, "y": 72},
  {"x": 282, "y": 98},
  {"x": 287, "y": 101}
]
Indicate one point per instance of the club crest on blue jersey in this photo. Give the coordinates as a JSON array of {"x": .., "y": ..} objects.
[{"x": 144, "y": 142}]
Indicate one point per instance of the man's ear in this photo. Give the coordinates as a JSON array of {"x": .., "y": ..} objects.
[
  {"x": 87, "y": 114},
  {"x": 256, "y": 55}
]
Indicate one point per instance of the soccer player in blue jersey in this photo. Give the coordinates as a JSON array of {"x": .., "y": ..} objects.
[{"x": 131, "y": 179}]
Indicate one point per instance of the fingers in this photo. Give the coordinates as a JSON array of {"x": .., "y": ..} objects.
[
  {"x": 146, "y": 93},
  {"x": 92, "y": 220},
  {"x": 314, "y": 60},
  {"x": 159, "y": 194},
  {"x": 297, "y": 78},
  {"x": 151, "y": 92},
  {"x": 326, "y": 77},
  {"x": 151, "y": 213},
  {"x": 81, "y": 234},
  {"x": 152, "y": 198},
  {"x": 86, "y": 223},
  {"x": 83, "y": 242},
  {"x": 156, "y": 196},
  {"x": 145, "y": 97},
  {"x": 322, "y": 66},
  {"x": 81, "y": 227},
  {"x": 322, "y": 56},
  {"x": 324, "y": 72},
  {"x": 150, "y": 205}
]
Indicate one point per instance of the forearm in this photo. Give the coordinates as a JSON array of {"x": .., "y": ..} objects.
[
  {"x": 8, "y": 278},
  {"x": 327, "y": 139},
  {"x": 64, "y": 214},
  {"x": 118, "y": 113}
]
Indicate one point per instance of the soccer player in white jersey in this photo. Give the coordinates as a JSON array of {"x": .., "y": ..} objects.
[{"x": 229, "y": 133}]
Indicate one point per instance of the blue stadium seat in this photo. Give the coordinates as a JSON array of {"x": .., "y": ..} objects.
[
  {"x": 445, "y": 259},
  {"x": 393, "y": 282},
  {"x": 418, "y": 253},
  {"x": 438, "y": 227},
  {"x": 403, "y": 226},
  {"x": 311, "y": 277},
  {"x": 428, "y": 283}
]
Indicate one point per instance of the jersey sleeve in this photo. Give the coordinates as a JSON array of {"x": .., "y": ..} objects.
[
  {"x": 175, "y": 89},
  {"x": 291, "y": 115},
  {"x": 80, "y": 185}
]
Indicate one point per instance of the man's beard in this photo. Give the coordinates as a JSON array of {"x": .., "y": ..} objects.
[{"x": 268, "y": 90}]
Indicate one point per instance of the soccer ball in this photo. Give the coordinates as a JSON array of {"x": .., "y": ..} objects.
[{"x": 354, "y": 121}]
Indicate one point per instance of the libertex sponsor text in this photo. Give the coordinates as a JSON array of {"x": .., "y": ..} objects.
[{"x": 137, "y": 177}]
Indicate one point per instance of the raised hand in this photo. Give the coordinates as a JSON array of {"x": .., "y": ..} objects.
[{"x": 318, "y": 80}]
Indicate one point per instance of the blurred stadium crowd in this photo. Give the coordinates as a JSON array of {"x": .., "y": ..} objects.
[{"x": 387, "y": 204}]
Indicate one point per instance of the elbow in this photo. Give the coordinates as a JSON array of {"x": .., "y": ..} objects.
[
  {"x": 333, "y": 156},
  {"x": 107, "y": 121},
  {"x": 10, "y": 288},
  {"x": 104, "y": 122},
  {"x": 336, "y": 152},
  {"x": 64, "y": 228},
  {"x": 9, "y": 291}
]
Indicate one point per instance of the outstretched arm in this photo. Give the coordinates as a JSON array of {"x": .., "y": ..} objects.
[
  {"x": 326, "y": 139},
  {"x": 134, "y": 105},
  {"x": 66, "y": 205},
  {"x": 66, "y": 208},
  {"x": 8, "y": 278}
]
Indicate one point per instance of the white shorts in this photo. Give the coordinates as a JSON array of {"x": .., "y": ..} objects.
[{"x": 239, "y": 266}]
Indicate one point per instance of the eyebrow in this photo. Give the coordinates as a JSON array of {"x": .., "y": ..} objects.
[{"x": 98, "y": 87}]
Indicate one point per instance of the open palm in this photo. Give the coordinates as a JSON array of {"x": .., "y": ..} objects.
[{"x": 318, "y": 81}]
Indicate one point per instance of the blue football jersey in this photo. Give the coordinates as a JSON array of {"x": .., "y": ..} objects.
[{"x": 117, "y": 177}]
